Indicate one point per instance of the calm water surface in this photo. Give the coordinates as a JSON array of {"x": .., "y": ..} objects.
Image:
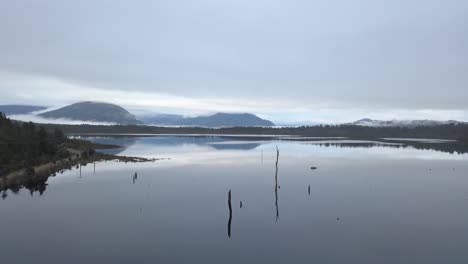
[{"x": 363, "y": 204}]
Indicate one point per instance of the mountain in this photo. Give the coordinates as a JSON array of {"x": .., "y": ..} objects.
[
  {"x": 94, "y": 111},
  {"x": 20, "y": 109},
  {"x": 216, "y": 120},
  {"x": 162, "y": 119},
  {"x": 227, "y": 120},
  {"x": 401, "y": 123}
]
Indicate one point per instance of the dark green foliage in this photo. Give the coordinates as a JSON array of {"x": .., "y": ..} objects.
[
  {"x": 24, "y": 145},
  {"x": 450, "y": 131},
  {"x": 464, "y": 135}
]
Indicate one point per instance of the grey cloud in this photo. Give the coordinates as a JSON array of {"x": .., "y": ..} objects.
[{"x": 401, "y": 54}]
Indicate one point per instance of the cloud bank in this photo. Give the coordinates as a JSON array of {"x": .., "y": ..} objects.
[{"x": 295, "y": 59}]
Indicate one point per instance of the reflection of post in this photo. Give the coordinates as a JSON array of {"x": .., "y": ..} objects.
[
  {"x": 94, "y": 167},
  {"x": 309, "y": 189},
  {"x": 230, "y": 214},
  {"x": 80, "y": 171},
  {"x": 276, "y": 184}
]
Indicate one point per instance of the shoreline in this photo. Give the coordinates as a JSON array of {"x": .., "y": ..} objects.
[{"x": 39, "y": 174}]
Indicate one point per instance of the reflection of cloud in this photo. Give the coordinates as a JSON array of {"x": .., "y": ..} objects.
[
  {"x": 189, "y": 150},
  {"x": 423, "y": 140},
  {"x": 292, "y": 153},
  {"x": 64, "y": 121},
  {"x": 354, "y": 142}
]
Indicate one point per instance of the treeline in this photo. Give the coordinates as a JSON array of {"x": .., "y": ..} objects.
[
  {"x": 24, "y": 145},
  {"x": 452, "y": 131}
]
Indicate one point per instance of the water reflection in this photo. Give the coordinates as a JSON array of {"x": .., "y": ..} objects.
[
  {"x": 32, "y": 184},
  {"x": 181, "y": 149},
  {"x": 124, "y": 142},
  {"x": 360, "y": 197},
  {"x": 220, "y": 142},
  {"x": 40, "y": 188},
  {"x": 445, "y": 147}
]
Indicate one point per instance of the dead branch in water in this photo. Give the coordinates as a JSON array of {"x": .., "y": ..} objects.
[{"x": 276, "y": 184}]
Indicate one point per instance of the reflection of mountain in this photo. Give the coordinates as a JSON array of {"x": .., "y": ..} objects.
[
  {"x": 241, "y": 146},
  {"x": 249, "y": 143},
  {"x": 228, "y": 143},
  {"x": 124, "y": 142},
  {"x": 216, "y": 142}
]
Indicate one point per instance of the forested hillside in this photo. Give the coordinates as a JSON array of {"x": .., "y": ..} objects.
[
  {"x": 23, "y": 145},
  {"x": 450, "y": 131}
]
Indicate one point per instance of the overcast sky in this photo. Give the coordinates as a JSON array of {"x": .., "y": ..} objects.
[{"x": 289, "y": 61}]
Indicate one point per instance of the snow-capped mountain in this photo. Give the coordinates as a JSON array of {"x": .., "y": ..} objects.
[{"x": 401, "y": 123}]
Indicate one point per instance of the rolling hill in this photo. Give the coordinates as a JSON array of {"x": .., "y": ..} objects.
[
  {"x": 215, "y": 120},
  {"x": 93, "y": 111}
]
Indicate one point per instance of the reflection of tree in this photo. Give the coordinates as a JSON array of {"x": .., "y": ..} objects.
[
  {"x": 33, "y": 183},
  {"x": 446, "y": 147}
]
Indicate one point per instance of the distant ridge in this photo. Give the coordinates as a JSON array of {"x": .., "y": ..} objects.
[
  {"x": 20, "y": 109},
  {"x": 401, "y": 123},
  {"x": 215, "y": 120},
  {"x": 95, "y": 112}
]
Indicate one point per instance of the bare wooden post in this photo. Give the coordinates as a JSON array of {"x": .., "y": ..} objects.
[
  {"x": 276, "y": 184},
  {"x": 230, "y": 214}
]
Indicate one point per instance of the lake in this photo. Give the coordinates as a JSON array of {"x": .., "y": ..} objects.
[{"x": 366, "y": 202}]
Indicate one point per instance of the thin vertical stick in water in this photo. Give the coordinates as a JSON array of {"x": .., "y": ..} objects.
[
  {"x": 230, "y": 214},
  {"x": 276, "y": 184}
]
